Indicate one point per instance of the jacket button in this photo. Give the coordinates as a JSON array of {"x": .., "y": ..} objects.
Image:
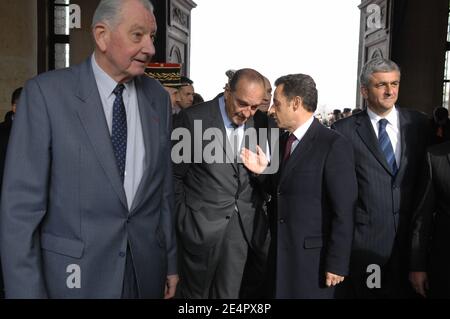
[
  {"x": 122, "y": 254},
  {"x": 282, "y": 221}
]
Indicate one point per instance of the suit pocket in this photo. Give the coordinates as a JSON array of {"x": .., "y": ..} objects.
[
  {"x": 61, "y": 245},
  {"x": 313, "y": 242}
]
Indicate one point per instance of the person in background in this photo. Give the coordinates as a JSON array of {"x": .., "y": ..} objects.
[
  {"x": 430, "y": 257},
  {"x": 197, "y": 99},
  {"x": 346, "y": 112},
  {"x": 169, "y": 75},
  {"x": 440, "y": 126},
  {"x": 185, "y": 93}
]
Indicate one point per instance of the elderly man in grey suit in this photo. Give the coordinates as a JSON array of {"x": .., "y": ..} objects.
[
  {"x": 217, "y": 200},
  {"x": 88, "y": 178},
  {"x": 389, "y": 145}
]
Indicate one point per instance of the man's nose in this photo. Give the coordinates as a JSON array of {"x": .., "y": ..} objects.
[
  {"x": 148, "y": 46},
  {"x": 388, "y": 90},
  {"x": 247, "y": 113}
]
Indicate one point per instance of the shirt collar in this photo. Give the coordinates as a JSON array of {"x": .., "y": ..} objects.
[
  {"x": 302, "y": 129},
  {"x": 226, "y": 120},
  {"x": 105, "y": 83},
  {"x": 392, "y": 117}
]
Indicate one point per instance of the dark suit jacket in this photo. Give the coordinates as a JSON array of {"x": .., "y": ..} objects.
[
  {"x": 5, "y": 129},
  {"x": 66, "y": 204},
  {"x": 316, "y": 194},
  {"x": 206, "y": 193},
  {"x": 385, "y": 203},
  {"x": 431, "y": 224}
]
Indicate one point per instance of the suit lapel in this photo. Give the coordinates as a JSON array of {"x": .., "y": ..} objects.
[
  {"x": 150, "y": 123},
  {"x": 404, "y": 136},
  {"x": 93, "y": 119},
  {"x": 217, "y": 121},
  {"x": 365, "y": 131}
]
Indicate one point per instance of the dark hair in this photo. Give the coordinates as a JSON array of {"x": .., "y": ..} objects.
[
  {"x": 16, "y": 95},
  {"x": 440, "y": 113},
  {"x": 301, "y": 85},
  {"x": 249, "y": 74},
  {"x": 186, "y": 81},
  {"x": 197, "y": 99}
]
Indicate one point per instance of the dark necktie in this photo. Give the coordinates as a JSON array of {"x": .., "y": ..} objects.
[
  {"x": 386, "y": 146},
  {"x": 288, "y": 147},
  {"x": 119, "y": 130}
]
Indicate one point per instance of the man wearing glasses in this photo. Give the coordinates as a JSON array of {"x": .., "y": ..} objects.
[{"x": 217, "y": 201}]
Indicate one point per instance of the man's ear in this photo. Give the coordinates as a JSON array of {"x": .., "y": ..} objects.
[
  {"x": 101, "y": 36},
  {"x": 297, "y": 102}
]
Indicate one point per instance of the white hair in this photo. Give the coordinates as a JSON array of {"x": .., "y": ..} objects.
[{"x": 108, "y": 11}]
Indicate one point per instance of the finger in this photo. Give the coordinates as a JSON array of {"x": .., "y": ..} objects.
[
  {"x": 259, "y": 150},
  {"x": 420, "y": 290},
  {"x": 170, "y": 292}
]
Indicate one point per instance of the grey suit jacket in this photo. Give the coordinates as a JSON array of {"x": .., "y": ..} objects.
[
  {"x": 65, "y": 226},
  {"x": 206, "y": 193}
]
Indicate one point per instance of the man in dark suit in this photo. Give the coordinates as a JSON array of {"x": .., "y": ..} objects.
[
  {"x": 88, "y": 173},
  {"x": 216, "y": 197},
  {"x": 430, "y": 257},
  {"x": 389, "y": 145},
  {"x": 315, "y": 191},
  {"x": 5, "y": 129}
]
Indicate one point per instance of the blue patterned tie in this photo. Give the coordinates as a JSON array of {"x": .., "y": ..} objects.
[
  {"x": 119, "y": 130},
  {"x": 386, "y": 146}
]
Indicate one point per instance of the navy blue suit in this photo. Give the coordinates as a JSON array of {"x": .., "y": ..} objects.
[{"x": 385, "y": 203}]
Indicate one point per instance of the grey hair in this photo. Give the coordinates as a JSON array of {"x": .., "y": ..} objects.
[
  {"x": 374, "y": 66},
  {"x": 108, "y": 11}
]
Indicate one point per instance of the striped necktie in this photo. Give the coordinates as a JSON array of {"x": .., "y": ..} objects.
[{"x": 386, "y": 146}]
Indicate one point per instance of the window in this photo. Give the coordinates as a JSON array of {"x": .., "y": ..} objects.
[
  {"x": 59, "y": 40},
  {"x": 446, "y": 90}
]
